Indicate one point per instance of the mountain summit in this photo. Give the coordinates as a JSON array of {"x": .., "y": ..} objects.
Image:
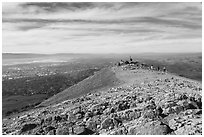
[{"x": 122, "y": 100}]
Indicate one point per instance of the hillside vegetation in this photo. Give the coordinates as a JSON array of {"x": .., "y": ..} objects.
[{"x": 102, "y": 79}]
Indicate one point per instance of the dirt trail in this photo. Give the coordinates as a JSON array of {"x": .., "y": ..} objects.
[{"x": 139, "y": 76}]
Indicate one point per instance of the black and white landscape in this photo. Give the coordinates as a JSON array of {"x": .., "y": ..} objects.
[{"x": 101, "y": 68}]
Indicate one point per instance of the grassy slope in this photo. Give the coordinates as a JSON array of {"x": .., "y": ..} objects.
[
  {"x": 18, "y": 102},
  {"x": 102, "y": 79}
]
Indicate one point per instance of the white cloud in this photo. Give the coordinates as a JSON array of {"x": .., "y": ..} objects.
[{"x": 119, "y": 27}]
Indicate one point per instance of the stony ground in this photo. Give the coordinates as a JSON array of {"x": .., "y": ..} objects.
[{"x": 149, "y": 102}]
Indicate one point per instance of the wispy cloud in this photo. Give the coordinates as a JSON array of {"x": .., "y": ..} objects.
[{"x": 102, "y": 27}]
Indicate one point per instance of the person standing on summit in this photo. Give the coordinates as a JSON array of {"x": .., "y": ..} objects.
[
  {"x": 164, "y": 69},
  {"x": 130, "y": 59}
]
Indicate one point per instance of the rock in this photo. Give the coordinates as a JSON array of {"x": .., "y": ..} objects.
[
  {"x": 48, "y": 119},
  {"x": 183, "y": 127},
  {"x": 178, "y": 96},
  {"x": 62, "y": 131},
  {"x": 151, "y": 114},
  {"x": 97, "y": 109},
  {"x": 139, "y": 100},
  {"x": 88, "y": 114},
  {"x": 45, "y": 112},
  {"x": 81, "y": 130},
  {"x": 49, "y": 128},
  {"x": 198, "y": 99},
  {"x": 120, "y": 131},
  {"x": 187, "y": 104},
  {"x": 178, "y": 109},
  {"x": 38, "y": 131},
  {"x": 150, "y": 105},
  {"x": 159, "y": 111},
  {"x": 173, "y": 124},
  {"x": 150, "y": 128},
  {"x": 148, "y": 98},
  {"x": 197, "y": 112},
  {"x": 79, "y": 116},
  {"x": 28, "y": 127},
  {"x": 71, "y": 118},
  {"x": 109, "y": 110},
  {"x": 117, "y": 122},
  {"x": 77, "y": 110},
  {"x": 42, "y": 121},
  {"x": 112, "y": 110},
  {"x": 78, "y": 129},
  {"x": 153, "y": 108},
  {"x": 133, "y": 105},
  {"x": 64, "y": 117},
  {"x": 57, "y": 118},
  {"x": 131, "y": 115},
  {"x": 169, "y": 104},
  {"x": 52, "y": 132},
  {"x": 123, "y": 105},
  {"x": 98, "y": 126},
  {"x": 86, "y": 131},
  {"x": 183, "y": 96},
  {"x": 90, "y": 124},
  {"x": 108, "y": 122},
  {"x": 168, "y": 111}
]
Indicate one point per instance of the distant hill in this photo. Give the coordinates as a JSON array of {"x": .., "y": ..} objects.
[{"x": 21, "y": 55}]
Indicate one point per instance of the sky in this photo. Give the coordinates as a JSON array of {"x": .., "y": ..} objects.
[{"x": 101, "y": 27}]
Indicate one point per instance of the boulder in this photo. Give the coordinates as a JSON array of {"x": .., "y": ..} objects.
[
  {"x": 168, "y": 111},
  {"x": 88, "y": 114},
  {"x": 62, "y": 131},
  {"x": 187, "y": 104},
  {"x": 174, "y": 124},
  {"x": 86, "y": 131},
  {"x": 150, "y": 128},
  {"x": 78, "y": 129},
  {"x": 90, "y": 124},
  {"x": 77, "y": 110},
  {"x": 120, "y": 131},
  {"x": 148, "y": 98},
  {"x": 150, "y": 114},
  {"x": 49, "y": 128},
  {"x": 57, "y": 118},
  {"x": 178, "y": 109},
  {"x": 42, "y": 121},
  {"x": 123, "y": 105},
  {"x": 108, "y": 122},
  {"x": 81, "y": 130},
  {"x": 52, "y": 132},
  {"x": 79, "y": 116},
  {"x": 117, "y": 122},
  {"x": 28, "y": 127},
  {"x": 159, "y": 111},
  {"x": 38, "y": 131},
  {"x": 48, "y": 119},
  {"x": 133, "y": 105}
]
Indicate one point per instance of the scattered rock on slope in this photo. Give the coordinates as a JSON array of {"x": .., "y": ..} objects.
[{"x": 149, "y": 104}]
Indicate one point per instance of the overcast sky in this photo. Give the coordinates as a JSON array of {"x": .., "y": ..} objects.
[{"x": 102, "y": 27}]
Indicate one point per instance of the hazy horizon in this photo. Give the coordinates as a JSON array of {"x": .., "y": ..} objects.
[
  {"x": 102, "y": 28},
  {"x": 193, "y": 52}
]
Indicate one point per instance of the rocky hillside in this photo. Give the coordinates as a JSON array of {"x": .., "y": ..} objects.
[{"x": 148, "y": 102}]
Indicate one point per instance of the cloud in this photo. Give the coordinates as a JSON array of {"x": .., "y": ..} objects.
[{"x": 101, "y": 27}]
